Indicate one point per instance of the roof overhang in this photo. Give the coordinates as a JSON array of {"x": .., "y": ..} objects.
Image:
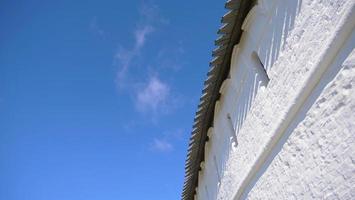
[{"x": 229, "y": 35}]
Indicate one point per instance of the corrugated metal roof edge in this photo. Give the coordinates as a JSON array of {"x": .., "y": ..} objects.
[{"x": 219, "y": 69}]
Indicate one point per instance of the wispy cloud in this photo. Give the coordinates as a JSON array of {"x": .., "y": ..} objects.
[
  {"x": 151, "y": 13},
  {"x": 153, "y": 97},
  {"x": 177, "y": 134},
  {"x": 166, "y": 142},
  {"x": 149, "y": 20},
  {"x": 95, "y": 28},
  {"x": 141, "y": 34},
  {"x": 124, "y": 56},
  {"x": 170, "y": 57},
  {"x": 161, "y": 145}
]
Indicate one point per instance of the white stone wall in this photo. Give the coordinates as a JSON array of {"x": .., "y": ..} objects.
[
  {"x": 317, "y": 158},
  {"x": 292, "y": 137}
]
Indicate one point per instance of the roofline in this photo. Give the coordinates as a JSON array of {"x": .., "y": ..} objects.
[{"x": 230, "y": 34}]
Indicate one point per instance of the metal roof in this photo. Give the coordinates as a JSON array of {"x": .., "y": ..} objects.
[{"x": 230, "y": 33}]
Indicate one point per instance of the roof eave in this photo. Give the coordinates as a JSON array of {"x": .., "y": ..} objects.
[{"x": 230, "y": 34}]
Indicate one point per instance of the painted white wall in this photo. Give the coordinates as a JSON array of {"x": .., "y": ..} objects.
[{"x": 291, "y": 137}]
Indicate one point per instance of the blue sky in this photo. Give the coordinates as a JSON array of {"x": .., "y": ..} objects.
[{"x": 97, "y": 98}]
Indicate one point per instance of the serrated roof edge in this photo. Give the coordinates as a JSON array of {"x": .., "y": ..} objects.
[{"x": 219, "y": 68}]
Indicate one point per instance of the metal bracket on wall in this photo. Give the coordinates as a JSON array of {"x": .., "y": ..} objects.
[{"x": 233, "y": 131}]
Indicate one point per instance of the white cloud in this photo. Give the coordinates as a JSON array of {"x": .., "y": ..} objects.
[
  {"x": 176, "y": 134},
  {"x": 124, "y": 56},
  {"x": 141, "y": 34},
  {"x": 153, "y": 97},
  {"x": 150, "y": 13},
  {"x": 170, "y": 57},
  {"x": 161, "y": 145},
  {"x": 95, "y": 28}
]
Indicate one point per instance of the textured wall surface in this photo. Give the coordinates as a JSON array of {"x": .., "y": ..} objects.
[
  {"x": 318, "y": 159},
  {"x": 291, "y": 137}
]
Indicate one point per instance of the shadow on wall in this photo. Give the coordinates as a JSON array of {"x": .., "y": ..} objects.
[
  {"x": 252, "y": 73},
  {"x": 277, "y": 30}
]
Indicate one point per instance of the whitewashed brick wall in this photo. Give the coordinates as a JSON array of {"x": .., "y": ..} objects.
[{"x": 291, "y": 138}]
